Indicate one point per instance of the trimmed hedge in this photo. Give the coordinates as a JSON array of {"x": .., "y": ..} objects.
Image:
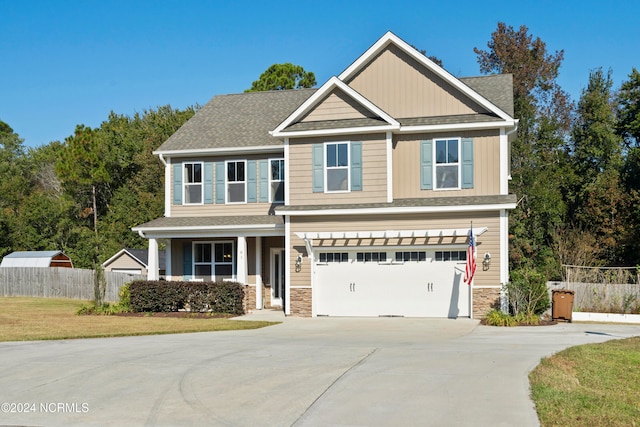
[{"x": 163, "y": 296}]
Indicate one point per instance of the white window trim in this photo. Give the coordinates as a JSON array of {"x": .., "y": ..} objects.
[
  {"x": 272, "y": 181},
  {"x": 185, "y": 184},
  {"x": 327, "y": 168},
  {"x": 213, "y": 264},
  {"x": 226, "y": 182},
  {"x": 435, "y": 164}
]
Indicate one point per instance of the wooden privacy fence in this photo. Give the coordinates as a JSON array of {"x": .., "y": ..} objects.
[
  {"x": 59, "y": 282},
  {"x": 602, "y": 297}
]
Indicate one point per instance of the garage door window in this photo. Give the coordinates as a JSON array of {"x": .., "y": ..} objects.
[
  {"x": 326, "y": 257},
  {"x": 371, "y": 257},
  {"x": 411, "y": 256},
  {"x": 451, "y": 256}
]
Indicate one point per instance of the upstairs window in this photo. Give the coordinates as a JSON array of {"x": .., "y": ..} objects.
[
  {"x": 276, "y": 180},
  {"x": 236, "y": 182},
  {"x": 447, "y": 163},
  {"x": 192, "y": 183},
  {"x": 337, "y": 167}
]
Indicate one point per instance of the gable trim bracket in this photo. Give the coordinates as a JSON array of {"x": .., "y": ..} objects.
[{"x": 308, "y": 237}]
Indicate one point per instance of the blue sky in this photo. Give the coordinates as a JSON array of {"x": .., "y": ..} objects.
[{"x": 64, "y": 63}]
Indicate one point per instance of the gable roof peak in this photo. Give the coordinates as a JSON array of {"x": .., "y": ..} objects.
[{"x": 390, "y": 38}]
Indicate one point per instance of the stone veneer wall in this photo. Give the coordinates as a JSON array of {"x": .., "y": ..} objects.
[
  {"x": 484, "y": 299},
  {"x": 249, "y": 301},
  {"x": 300, "y": 302}
]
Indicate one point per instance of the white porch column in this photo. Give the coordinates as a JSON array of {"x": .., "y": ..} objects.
[
  {"x": 259, "y": 273},
  {"x": 167, "y": 261},
  {"x": 241, "y": 260},
  {"x": 152, "y": 273}
]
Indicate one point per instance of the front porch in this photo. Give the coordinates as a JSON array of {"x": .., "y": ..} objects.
[{"x": 248, "y": 250}]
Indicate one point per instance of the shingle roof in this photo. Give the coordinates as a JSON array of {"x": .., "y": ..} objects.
[
  {"x": 497, "y": 88},
  {"x": 245, "y": 119},
  {"x": 404, "y": 203},
  {"x": 143, "y": 256},
  {"x": 240, "y": 120},
  {"x": 212, "y": 221}
]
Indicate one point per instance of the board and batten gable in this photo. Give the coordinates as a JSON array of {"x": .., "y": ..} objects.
[
  {"x": 404, "y": 88},
  {"x": 486, "y": 164},
  {"x": 336, "y": 106},
  {"x": 374, "y": 171},
  {"x": 215, "y": 204}
]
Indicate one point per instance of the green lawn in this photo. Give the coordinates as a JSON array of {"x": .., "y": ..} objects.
[
  {"x": 589, "y": 385},
  {"x": 24, "y": 319}
]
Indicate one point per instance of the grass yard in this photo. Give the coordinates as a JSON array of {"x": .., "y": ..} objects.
[
  {"x": 25, "y": 319},
  {"x": 589, "y": 385}
]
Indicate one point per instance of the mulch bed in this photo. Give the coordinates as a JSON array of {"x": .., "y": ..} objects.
[
  {"x": 180, "y": 315},
  {"x": 543, "y": 322}
]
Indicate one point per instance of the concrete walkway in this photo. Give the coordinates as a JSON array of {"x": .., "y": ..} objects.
[{"x": 303, "y": 372}]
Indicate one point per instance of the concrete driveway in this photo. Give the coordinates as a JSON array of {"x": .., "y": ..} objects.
[{"x": 303, "y": 372}]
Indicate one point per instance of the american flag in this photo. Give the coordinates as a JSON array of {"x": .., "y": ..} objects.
[{"x": 470, "y": 268}]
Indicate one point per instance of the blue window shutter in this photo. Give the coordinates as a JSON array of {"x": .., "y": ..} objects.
[
  {"x": 467, "y": 162},
  {"x": 220, "y": 179},
  {"x": 252, "y": 182},
  {"x": 187, "y": 261},
  {"x": 356, "y": 166},
  {"x": 426, "y": 165},
  {"x": 177, "y": 184},
  {"x": 263, "y": 181},
  {"x": 208, "y": 183},
  {"x": 317, "y": 160}
]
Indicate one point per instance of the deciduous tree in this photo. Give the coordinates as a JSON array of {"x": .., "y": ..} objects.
[{"x": 283, "y": 76}]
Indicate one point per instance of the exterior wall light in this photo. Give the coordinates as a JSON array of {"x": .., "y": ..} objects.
[
  {"x": 298, "y": 263},
  {"x": 486, "y": 262}
]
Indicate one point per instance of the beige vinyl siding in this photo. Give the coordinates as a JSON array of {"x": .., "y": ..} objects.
[
  {"x": 125, "y": 261},
  {"x": 336, "y": 106},
  {"x": 216, "y": 208},
  {"x": 374, "y": 171},
  {"x": 223, "y": 210},
  {"x": 486, "y": 165},
  {"x": 489, "y": 241},
  {"x": 399, "y": 85}
]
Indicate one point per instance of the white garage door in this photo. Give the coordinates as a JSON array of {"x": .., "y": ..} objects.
[{"x": 397, "y": 282}]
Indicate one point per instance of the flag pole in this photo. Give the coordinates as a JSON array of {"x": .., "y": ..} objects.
[{"x": 472, "y": 280}]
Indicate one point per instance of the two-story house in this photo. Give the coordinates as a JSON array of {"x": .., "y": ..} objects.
[{"x": 354, "y": 199}]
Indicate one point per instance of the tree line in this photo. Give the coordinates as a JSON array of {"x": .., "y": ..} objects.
[{"x": 575, "y": 169}]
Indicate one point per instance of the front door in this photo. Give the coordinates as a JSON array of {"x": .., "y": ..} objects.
[{"x": 277, "y": 277}]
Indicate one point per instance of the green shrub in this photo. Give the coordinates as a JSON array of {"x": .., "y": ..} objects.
[
  {"x": 528, "y": 294},
  {"x": 499, "y": 318},
  {"x": 162, "y": 296}
]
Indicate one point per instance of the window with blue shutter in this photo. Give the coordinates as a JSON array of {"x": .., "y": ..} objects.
[
  {"x": 187, "y": 261},
  {"x": 208, "y": 183},
  {"x": 356, "y": 166},
  {"x": 467, "y": 163},
  {"x": 219, "y": 180},
  {"x": 317, "y": 161},
  {"x": 177, "y": 184},
  {"x": 252, "y": 181},
  {"x": 263, "y": 181},
  {"x": 426, "y": 165}
]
